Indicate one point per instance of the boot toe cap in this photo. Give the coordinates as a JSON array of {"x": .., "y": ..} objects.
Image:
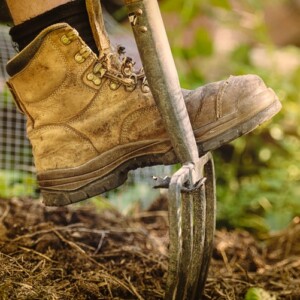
[
  {"x": 246, "y": 94},
  {"x": 224, "y": 110}
]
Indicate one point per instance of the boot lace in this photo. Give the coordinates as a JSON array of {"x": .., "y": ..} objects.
[
  {"x": 115, "y": 66},
  {"x": 120, "y": 70}
]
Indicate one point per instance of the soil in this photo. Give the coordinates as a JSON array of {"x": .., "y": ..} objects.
[{"x": 80, "y": 252}]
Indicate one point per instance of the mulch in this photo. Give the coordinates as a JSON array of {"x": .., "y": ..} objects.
[{"x": 82, "y": 252}]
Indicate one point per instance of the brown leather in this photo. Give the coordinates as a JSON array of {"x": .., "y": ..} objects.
[{"x": 87, "y": 114}]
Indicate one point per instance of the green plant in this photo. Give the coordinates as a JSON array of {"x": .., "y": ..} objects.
[
  {"x": 258, "y": 294},
  {"x": 17, "y": 184},
  {"x": 257, "y": 175}
]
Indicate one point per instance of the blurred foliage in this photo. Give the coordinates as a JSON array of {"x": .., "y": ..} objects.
[
  {"x": 257, "y": 175},
  {"x": 6, "y": 96},
  {"x": 132, "y": 197},
  {"x": 258, "y": 294},
  {"x": 17, "y": 184}
]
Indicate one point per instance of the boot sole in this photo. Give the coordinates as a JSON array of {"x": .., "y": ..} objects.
[{"x": 62, "y": 190}]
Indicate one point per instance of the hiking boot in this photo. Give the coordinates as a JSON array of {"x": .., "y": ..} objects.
[{"x": 90, "y": 120}]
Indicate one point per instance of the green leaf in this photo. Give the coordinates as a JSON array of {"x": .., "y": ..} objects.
[
  {"x": 221, "y": 3},
  {"x": 258, "y": 294},
  {"x": 203, "y": 43}
]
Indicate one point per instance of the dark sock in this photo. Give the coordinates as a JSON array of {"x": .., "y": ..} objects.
[{"x": 74, "y": 13}]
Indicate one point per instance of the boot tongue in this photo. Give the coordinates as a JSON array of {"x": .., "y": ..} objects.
[
  {"x": 95, "y": 14},
  {"x": 116, "y": 57}
]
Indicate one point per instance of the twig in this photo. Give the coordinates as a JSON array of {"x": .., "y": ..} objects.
[
  {"x": 41, "y": 262},
  {"x": 99, "y": 244},
  {"x": 225, "y": 260},
  {"x": 70, "y": 243},
  {"x": 79, "y": 249},
  {"x": 133, "y": 289},
  {"x": 114, "y": 230},
  {"x": 147, "y": 214},
  {"x": 291, "y": 262},
  {"x": 14, "y": 261},
  {"x": 4, "y": 215},
  {"x": 109, "y": 289},
  {"x": 37, "y": 253},
  {"x": 27, "y": 286},
  {"x": 107, "y": 277},
  {"x": 29, "y": 235}
]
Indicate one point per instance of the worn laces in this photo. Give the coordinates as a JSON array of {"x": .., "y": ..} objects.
[{"x": 115, "y": 66}]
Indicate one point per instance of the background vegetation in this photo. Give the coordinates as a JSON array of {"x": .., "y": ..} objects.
[{"x": 257, "y": 175}]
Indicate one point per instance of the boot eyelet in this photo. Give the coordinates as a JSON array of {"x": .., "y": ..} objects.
[
  {"x": 65, "y": 40},
  {"x": 90, "y": 76},
  {"x": 145, "y": 89},
  {"x": 130, "y": 88},
  {"x": 97, "y": 68},
  {"x": 79, "y": 58},
  {"x": 114, "y": 86},
  {"x": 97, "y": 81}
]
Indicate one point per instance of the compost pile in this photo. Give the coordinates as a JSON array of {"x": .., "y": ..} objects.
[{"x": 80, "y": 252}]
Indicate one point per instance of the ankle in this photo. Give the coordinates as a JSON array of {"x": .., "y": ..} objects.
[
  {"x": 21, "y": 11},
  {"x": 74, "y": 13}
]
